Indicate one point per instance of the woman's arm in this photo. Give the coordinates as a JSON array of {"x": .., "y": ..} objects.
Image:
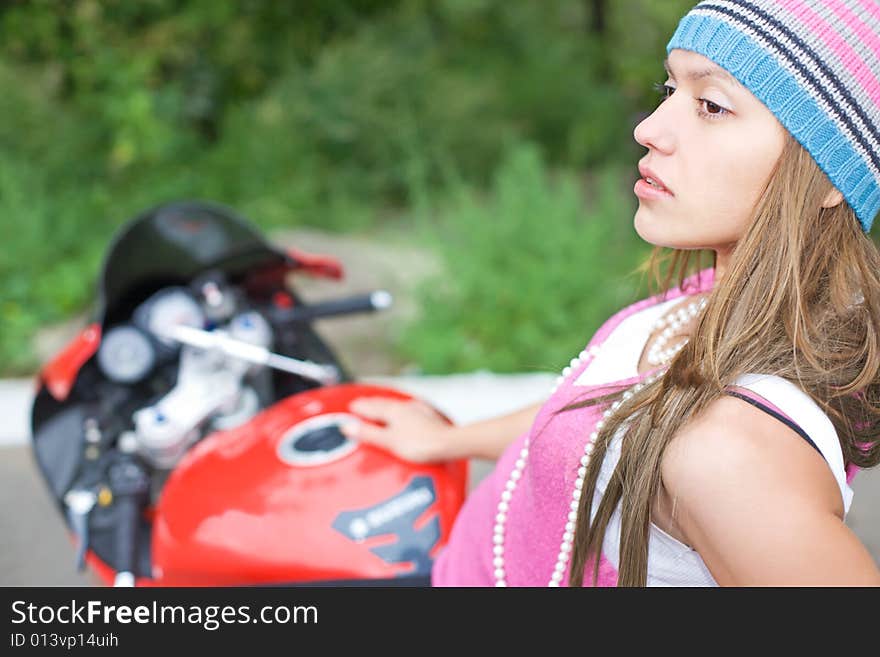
[
  {"x": 759, "y": 504},
  {"x": 413, "y": 431}
]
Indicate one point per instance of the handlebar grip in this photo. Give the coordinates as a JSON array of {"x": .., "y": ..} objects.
[
  {"x": 126, "y": 536},
  {"x": 373, "y": 301},
  {"x": 129, "y": 484}
]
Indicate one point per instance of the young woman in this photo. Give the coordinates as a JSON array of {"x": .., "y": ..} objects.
[{"x": 706, "y": 435}]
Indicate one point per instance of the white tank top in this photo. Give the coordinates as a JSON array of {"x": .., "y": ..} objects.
[{"x": 671, "y": 562}]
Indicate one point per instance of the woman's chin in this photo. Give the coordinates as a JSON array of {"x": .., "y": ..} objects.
[
  {"x": 665, "y": 233},
  {"x": 650, "y": 229}
]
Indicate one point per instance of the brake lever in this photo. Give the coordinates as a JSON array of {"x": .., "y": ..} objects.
[{"x": 80, "y": 503}]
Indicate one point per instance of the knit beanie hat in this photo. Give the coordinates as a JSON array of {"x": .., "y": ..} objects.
[{"x": 816, "y": 65}]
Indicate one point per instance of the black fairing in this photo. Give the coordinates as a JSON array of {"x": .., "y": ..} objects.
[{"x": 171, "y": 244}]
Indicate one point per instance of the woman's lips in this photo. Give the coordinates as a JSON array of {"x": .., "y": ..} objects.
[
  {"x": 651, "y": 178},
  {"x": 645, "y": 190}
]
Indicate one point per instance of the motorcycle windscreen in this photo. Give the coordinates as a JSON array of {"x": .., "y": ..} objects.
[{"x": 172, "y": 244}]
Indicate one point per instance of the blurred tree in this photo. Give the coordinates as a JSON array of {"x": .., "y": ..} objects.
[
  {"x": 149, "y": 69},
  {"x": 598, "y": 26},
  {"x": 160, "y": 75}
]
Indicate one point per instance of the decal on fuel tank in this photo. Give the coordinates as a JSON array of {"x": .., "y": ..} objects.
[{"x": 397, "y": 515}]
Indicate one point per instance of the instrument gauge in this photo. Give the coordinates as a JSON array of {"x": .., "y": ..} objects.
[
  {"x": 126, "y": 354},
  {"x": 168, "y": 309}
]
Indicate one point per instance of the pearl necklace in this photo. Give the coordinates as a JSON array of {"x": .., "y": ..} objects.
[
  {"x": 658, "y": 354},
  {"x": 675, "y": 321}
]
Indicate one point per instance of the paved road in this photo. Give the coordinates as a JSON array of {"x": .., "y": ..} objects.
[{"x": 34, "y": 550}]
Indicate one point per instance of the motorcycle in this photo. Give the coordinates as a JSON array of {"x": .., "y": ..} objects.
[{"x": 190, "y": 435}]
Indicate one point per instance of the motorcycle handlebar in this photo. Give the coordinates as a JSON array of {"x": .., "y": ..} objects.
[
  {"x": 378, "y": 300},
  {"x": 129, "y": 484}
]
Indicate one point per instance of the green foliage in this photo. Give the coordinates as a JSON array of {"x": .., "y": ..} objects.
[
  {"x": 39, "y": 284},
  {"x": 153, "y": 73},
  {"x": 335, "y": 114},
  {"x": 49, "y": 225},
  {"x": 533, "y": 269},
  {"x": 641, "y": 31}
]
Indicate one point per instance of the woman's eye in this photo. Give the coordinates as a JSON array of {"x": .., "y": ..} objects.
[
  {"x": 664, "y": 90},
  {"x": 712, "y": 110}
]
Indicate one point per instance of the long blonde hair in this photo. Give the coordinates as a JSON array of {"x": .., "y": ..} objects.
[{"x": 800, "y": 299}]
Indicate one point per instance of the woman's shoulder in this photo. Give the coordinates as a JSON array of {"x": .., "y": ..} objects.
[
  {"x": 791, "y": 403},
  {"x": 735, "y": 444},
  {"x": 756, "y": 502}
]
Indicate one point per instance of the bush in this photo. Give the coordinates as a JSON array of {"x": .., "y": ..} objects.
[{"x": 533, "y": 269}]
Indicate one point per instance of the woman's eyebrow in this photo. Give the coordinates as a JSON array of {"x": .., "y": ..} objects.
[{"x": 709, "y": 72}]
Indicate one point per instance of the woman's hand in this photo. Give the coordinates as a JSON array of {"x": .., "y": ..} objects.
[{"x": 412, "y": 429}]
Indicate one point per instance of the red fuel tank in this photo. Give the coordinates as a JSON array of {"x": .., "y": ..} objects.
[{"x": 287, "y": 498}]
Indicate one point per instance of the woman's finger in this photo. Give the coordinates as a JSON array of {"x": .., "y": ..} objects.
[
  {"x": 366, "y": 433},
  {"x": 425, "y": 408},
  {"x": 374, "y": 408}
]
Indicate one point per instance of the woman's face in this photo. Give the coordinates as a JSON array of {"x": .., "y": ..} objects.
[{"x": 713, "y": 145}]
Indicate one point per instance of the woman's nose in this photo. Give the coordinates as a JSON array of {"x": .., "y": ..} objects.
[{"x": 654, "y": 132}]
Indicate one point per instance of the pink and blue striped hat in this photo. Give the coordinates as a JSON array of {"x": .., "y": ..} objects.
[{"x": 816, "y": 65}]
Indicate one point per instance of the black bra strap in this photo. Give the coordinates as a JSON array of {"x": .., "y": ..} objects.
[{"x": 781, "y": 418}]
